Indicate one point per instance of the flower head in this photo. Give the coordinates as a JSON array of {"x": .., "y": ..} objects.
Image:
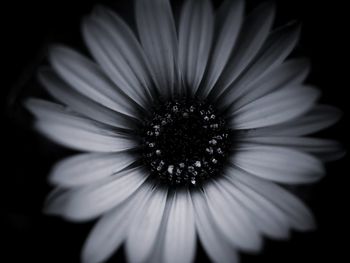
[{"x": 188, "y": 130}]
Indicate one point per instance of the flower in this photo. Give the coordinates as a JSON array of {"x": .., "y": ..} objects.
[{"x": 188, "y": 130}]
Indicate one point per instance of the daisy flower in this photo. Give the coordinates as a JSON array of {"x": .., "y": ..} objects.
[{"x": 189, "y": 128}]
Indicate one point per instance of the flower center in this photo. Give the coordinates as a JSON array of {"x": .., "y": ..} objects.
[{"x": 185, "y": 142}]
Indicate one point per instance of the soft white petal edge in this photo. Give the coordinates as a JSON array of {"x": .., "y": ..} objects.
[
  {"x": 298, "y": 215},
  {"x": 180, "y": 234},
  {"x": 277, "y": 107},
  {"x": 88, "y": 202},
  {"x": 279, "y": 164},
  {"x": 87, "y": 168},
  {"x": 87, "y": 78},
  {"x": 214, "y": 243},
  {"x": 111, "y": 230},
  {"x": 231, "y": 218},
  {"x": 80, "y": 103},
  {"x": 146, "y": 225},
  {"x": 317, "y": 118}
]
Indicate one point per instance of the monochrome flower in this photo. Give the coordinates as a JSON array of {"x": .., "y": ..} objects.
[{"x": 187, "y": 130}]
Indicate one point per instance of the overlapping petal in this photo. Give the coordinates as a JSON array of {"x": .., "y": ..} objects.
[
  {"x": 196, "y": 32},
  {"x": 90, "y": 201},
  {"x": 68, "y": 129},
  {"x": 157, "y": 32},
  {"x": 88, "y": 79},
  {"x": 228, "y": 20},
  {"x": 279, "y": 164},
  {"x": 234, "y": 223},
  {"x": 275, "y": 50},
  {"x": 252, "y": 36},
  {"x": 82, "y": 104},
  {"x": 214, "y": 243},
  {"x": 83, "y": 169},
  {"x": 146, "y": 226},
  {"x": 275, "y": 108},
  {"x": 118, "y": 52},
  {"x": 299, "y": 216},
  {"x": 111, "y": 230}
]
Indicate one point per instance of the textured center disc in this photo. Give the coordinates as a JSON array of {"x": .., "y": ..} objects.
[{"x": 185, "y": 142}]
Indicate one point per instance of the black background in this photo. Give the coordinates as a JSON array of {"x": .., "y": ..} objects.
[{"x": 29, "y": 26}]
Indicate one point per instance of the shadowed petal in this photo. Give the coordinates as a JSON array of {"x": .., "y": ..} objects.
[
  {"x": 88, "y": 202},
  {"x": 68, "y": 129},
  {"x": 195, "y": 38},
  {"x": 275, "y": 50},
  {"x": 229, "y": 19},
  {"x": 254, "y": 32},
  {"x": 156, "y": 28},
  {"x": 291, "y": 73},
  {"x": 87, "y": 168},
  {"x": 279, "y": 164}
]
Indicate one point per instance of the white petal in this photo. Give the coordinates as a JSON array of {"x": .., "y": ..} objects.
[
  {"x": 180, "y": 234},
  {"x": 111, "y": 230},
  {"x": 229, "y": 19},
  {"x": 279, "y": 164},
  {"x": 88, "y": 202},
  {"x": 145, "y": 227},
  {"x": 83, "y": 169},
  {"x": 81, "y": 104},
  {"x": 231, "y": 218},
  {"x": 88, "y": 79},
  {"x": 318, "y": 118},
  {"x": 70, "y": 130},
  {"x": 326, "y": 149},
  {"x": 195, "y": 39},
  {"x": 277, "y": 107},
  {"x": 275, "y": 50},
  {"x": 81, "y": 140},
  {"x": 298, "y": 214},
  {"x": 255, "y": 31},
  {"x": 291, "y": 73},
  {"x": 267, "y": 217},
  {"x": 157, "y": 253},
  {"x": 214, "y": 243},
  {"x": 156, "y": 28},
  {"x": 115, "y": 47}
]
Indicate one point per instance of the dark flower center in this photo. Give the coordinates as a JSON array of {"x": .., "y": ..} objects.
[{"x": 185, "y": 142}]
